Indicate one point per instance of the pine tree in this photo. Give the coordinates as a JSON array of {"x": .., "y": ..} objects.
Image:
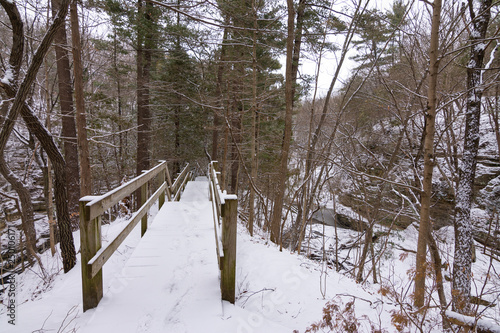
[{"x": 373, "y": 33}]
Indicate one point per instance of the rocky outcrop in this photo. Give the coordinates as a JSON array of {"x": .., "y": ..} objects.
[{"x": 328, "y": 217}]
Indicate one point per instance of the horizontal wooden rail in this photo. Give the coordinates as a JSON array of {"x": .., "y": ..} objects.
[
  {"x": 218, "y": 243},
  {"x": 180, "y": 183},
  {"x": 93, "y": 255},
  {"x": 99, "y": 204},
  {"x": 107, "y": 251},
  {"x": 225, "y": 210}
]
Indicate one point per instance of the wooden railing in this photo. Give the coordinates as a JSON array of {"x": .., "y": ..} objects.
[
  {"x": 93, "y": 255},
  {"x": 225, "y": 210}
]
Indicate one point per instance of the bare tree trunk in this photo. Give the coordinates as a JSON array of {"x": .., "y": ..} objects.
[
  {"x": 83, "y": 145},
  {"x": 461, "y": 286},
  {"x": 143, "y": 110},
  {"x": 301, "y": 216},
  {"x": 495, "y": 115},
  {"x": 33, "y": 123},
  {"x": 68, "y": 120},
  {"x": 220, "y": 73},
  {"x": 364, "y": 253},
  {"x": 120, "y": 162},
  {"x": 177, "y": 137},
  {"x": 235, "y": 160},
  {"x": 297, "y": 42},
  {"x": 49, "y": 198},
  {"x": 287, "y": 134},
  {"x": 225, "y": 151},
  {"x": 141, "y": 145},
  {"x": 436, "y": 260},
  {"x": 304, "y": 198},
  {"x": 425, "y": 199},
  {"x": 27, "y": 212},
  {"x": 253, "y": 144}
]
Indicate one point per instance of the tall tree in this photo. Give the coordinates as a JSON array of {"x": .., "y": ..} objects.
[
  {"x": 287, "y": 133},
  {"x": 11, "y": 77},
  {"x": 144, "y": 49},
  {"x": 479, "y": 12},
  {"x": 19, "y": 106},
  {"x": 181, "y": 120},
  {"x": 239, "y": 75},
  {"x": 253, "y": 143},
  {"x": 306, "y": 198},
  {"x": 65, "y": 84},
  {"x": 83, "y": 145},
  {"x": 430, "y": 119},
  {"x": 374, "y": 33}
]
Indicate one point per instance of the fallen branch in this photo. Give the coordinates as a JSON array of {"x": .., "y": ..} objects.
[
  {"x": 480, "y": 325},
  {"x": 248, "y": 295}
]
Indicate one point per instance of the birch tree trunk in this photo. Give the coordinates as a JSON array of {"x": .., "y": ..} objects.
[{"x": 462, "y": 265}]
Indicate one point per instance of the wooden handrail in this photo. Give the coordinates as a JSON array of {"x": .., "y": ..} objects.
[
  {"x": 93, "y": 255},
  {"x": 99, "y": 204},
  {"x": 95, "y": 264},
  {"x": 225, "y": 210},
  {"x": 218, "y": 243},
  {"x": 180, "y": 182}
]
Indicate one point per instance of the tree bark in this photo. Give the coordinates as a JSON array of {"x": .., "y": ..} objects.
[
  {"x": 27, "y": 211},
  {"x": 143, "y": 109},
  {"x": 305, "y": 197},
  {"x": 425, "y": 198},
  {"x": 35, "y": 127},
  {"x": 81, "y": 121},
  {"x": 287, "y": 134},
  {"x": 297, "y": 43},
  {"x": 496, "y": 122},
  {"x": 220, "y": 81},
  {"x": 462, "y": 265},
  {"x": 68, "y": 119},
  {"x": 253, "y": 145},
  {"x": 235, "y": 160}
]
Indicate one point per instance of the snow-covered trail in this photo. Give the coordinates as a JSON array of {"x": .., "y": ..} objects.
[{"x": 170, "y": 283}]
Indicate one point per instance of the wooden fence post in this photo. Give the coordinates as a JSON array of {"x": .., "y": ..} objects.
[
  {"x": 90, "y": 240},
  {"x": 144, "y": 198},
  {"x": 228, "y": 267}
]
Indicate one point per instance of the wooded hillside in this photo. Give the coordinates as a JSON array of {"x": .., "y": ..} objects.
[{"x": 405, "y": 132}]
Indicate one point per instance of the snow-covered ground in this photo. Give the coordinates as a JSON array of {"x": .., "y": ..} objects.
[{"x": 276, "y": 291}]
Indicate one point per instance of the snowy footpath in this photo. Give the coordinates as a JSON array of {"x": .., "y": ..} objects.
[
  {"x": 171, "y": 281},
  {"x": 168, "y": 281}
]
